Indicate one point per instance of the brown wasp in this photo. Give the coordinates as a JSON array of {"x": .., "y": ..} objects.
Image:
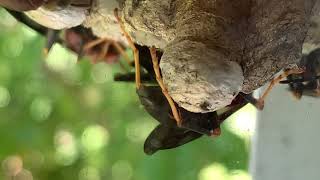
[
  {"x": 177, "y": 125},
  {"x": 307, "y": 82},
  {"x": 168, "y": 134},
  {"x": 78, "y": 39}
]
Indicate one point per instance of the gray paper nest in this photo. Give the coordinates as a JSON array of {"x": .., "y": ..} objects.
[{"x": 213, "y": 49}]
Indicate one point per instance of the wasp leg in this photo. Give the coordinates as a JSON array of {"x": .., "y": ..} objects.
[
  {"x": 106, "y": 44},
  {"x": 92, "y": 44},
  {"x": 107, "y": 41},
  {"x": 156, "y": 68},
  {"x": 120, "y": 49},
  {"x": 133, "y": 47},
  {"x": 163, "y": 88},
  {"x": 104, "y": 50},
  {"x": 250, "y": 99},
  {"x": 260, "y": 101}
]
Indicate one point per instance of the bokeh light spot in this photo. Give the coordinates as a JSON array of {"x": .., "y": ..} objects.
[
  {"x": 121, "y": 170},
  {"x": 213, "y": 171},
  {"x": 41, "y": 108},
  {"x": 60, "y": 59},
  {"x": 94, "y": 138},
  {"x": 4, "y": 97},
  {"x": 66, "y": 150},
  {"x": 23, "y": 175},
  {"x": 218, "y": 171},
  {"x": 12, "y": 165}
]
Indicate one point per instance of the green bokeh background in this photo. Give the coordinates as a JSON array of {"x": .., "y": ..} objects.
[{"x": 67, "y": 120}]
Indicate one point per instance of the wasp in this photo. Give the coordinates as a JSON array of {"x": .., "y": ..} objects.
[
  {"x": 168, "y": 134},
  {"x": 307, "y": 82},
  {"x": 177, "y": 125}
]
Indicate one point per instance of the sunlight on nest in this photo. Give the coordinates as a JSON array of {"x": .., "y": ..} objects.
[{"x": 41, "y": 108}]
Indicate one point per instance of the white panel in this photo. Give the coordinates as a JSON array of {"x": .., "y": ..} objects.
[{"x": 286, "y": 145}]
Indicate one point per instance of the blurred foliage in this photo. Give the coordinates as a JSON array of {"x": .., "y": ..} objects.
[{"x": 63, "y": 119}]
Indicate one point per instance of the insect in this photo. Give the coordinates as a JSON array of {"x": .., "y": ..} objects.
[
  {"x": 188, "y": 125},
  {"x": 81, "y": 41},
  {"x": 155, "y": 67},
  {"x": 168, "y": 134},
  {"x": 84, "y": 43},
  {"x": 177, "y": 126},
  {"x": 307, "y": 82},
  {"x": 78, "y": 39}
]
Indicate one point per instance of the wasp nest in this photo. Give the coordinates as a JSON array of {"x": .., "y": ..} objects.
[{"x": 213, "y": 49}]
